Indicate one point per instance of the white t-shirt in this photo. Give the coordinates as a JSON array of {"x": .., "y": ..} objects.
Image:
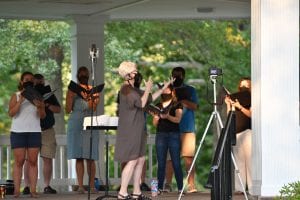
[{"x": 27, "y": 119}]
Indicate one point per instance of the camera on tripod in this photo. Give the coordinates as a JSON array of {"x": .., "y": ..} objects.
[
  {"x": 214, "y": 71},
  {"x": 216, "y": 78}
]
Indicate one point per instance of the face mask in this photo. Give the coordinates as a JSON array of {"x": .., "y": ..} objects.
[
  {"x": 166, "y": 97},
  {"x": 28, "y": 84},
  {"x": 138, "y": 80},
  {"x": 83, "y": 79},
  {"x": 40, "y": 87},
  {"x": 243, "y": 88},
  {"x": 178, "y": 82}
]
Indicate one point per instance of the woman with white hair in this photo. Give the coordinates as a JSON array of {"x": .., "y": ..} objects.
[{"x": 130, "y": 141}]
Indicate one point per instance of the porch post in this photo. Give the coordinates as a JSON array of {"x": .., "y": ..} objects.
[
  {"x": 86, "y": 31},
  {"x": 275, "y": 94}
]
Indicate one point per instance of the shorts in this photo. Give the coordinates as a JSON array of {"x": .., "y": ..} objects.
[
  {"x": 25, "y": 140},
  {"x": 188, "y": 144},
  {"x": 48, "y": 149}
]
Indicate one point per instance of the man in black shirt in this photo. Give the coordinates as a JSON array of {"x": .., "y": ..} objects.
[{"x": 48, "y": 148}]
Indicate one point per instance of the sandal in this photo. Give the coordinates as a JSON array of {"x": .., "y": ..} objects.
[
  {"x": 16, "y": 194},
  {"x": 93, "y": 191},
  {"x": 81, "y": 190},
  {"x": 127, "y": 197},
  {"x": 140, "y": 197},
  {"x": 159, "y": 192},
  {"x": 34, "y": 195}
]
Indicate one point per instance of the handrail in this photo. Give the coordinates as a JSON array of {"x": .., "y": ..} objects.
[{"x": 64, "y": 170}]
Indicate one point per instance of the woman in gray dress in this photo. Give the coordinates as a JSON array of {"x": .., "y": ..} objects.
[
  {"x": 130, "y": 141},
  {"x": 78, "y": 140}
]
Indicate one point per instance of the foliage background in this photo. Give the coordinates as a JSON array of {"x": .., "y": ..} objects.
[
  {"x": 197, "y": 45},
  {"x": 157, "y": 46}
]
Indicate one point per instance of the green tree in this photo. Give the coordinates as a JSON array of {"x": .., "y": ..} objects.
[
  {"x": 37, "y": 46},
  {"x": 158, "y": 45}
]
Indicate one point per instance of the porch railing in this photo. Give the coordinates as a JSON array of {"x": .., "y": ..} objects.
[{"x": 64, "y": 173}]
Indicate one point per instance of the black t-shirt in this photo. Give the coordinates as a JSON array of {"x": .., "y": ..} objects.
[
  {"x": 242, "y": 121},
  {"x": 165, "y": 125},
  {"x": 49, "y": 120}
]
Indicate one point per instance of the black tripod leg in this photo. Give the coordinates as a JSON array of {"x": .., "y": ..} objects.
[
  {"x": 106, "y": 178},
  {"x": 90, "y": 167}
]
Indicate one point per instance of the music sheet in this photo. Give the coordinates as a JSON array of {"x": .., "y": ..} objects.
[{"x": 100, "y": 120}]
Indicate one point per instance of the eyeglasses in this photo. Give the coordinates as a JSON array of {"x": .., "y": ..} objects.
[{"x": 134, "y": 72}]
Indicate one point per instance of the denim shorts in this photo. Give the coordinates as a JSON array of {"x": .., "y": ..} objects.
[{"x": 25, "y": 140}]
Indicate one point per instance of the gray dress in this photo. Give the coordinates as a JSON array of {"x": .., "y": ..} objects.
[
  {"x": 78, "y": 140},
  {"x": 131, "y": 134}
]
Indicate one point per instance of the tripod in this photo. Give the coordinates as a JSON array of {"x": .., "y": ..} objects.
[{"x": 214, "y": 116}]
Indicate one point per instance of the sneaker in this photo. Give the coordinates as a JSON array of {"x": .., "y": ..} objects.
[
  {"x": 191, "y": 189},
  {"x": 49, "y": 190},
  {"x": 26, "y": 190},
  {"x": 167, "y": 187},
  {"x": 145, "y": 187}
]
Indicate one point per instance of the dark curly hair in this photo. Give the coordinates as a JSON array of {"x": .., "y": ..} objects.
[{"x": 20, "y": 86}]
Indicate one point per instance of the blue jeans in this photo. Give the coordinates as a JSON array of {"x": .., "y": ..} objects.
[{"x": 168, "y": 141}]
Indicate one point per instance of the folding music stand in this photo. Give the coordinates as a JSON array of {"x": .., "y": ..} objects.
[
  {"x": 106, "y": 128},
  {"x": 106, "y": 195}
]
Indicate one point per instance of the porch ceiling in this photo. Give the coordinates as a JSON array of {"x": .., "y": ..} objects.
[{"x": 125, "y": 9}]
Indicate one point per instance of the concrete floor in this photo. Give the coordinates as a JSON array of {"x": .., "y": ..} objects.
[{"x": 167, "y": 196}]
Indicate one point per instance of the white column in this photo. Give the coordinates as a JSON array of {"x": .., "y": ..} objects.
[
  {"x": 275, "y": 94},
  {"x": 86, "y": 31}
]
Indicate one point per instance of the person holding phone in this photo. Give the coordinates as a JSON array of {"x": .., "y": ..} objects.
[{"x": 241, "y": 101}]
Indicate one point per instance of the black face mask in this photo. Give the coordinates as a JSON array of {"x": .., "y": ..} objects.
[
  {"x": 166, "y": 97},
  {"x": 28, "y": 84},
  {"x": 138, "y": 80},
  {"x": 83, "y": 79},
  {"x": 242, "y": 89},
  {"x": 40, "y": 88},
  {"x": 178, "y": 82}
]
